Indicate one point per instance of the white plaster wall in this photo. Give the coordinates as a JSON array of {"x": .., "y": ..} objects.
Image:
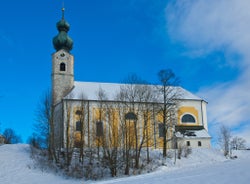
[
  {"x": 200, "y": 106},
  {"x": 205, "y": 142}
]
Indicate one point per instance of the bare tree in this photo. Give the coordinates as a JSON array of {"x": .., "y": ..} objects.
[
  {"x": 43, "y": 120},
  {"x": 138, "y": 99},
  {"x": 147, "y": 116},
  {"x": 102, "y": 97},
  {"x": 123, "y": 132},
  {"x": 35, "y": 141},
  {"x": 224, "y": 139},
  {"x": 238, "y": 143},
  {"x": 69, "y": 133},
  {"x": 10, "y": 136},
  {"x": 112, "y": 139},
  {"x": 145, "y": 111},
  {"x": 170, "y": 99},
  {"x": 130, "y": 93},
  {"x": 81, "y": 125},
  {"x": 45, "y": 128}
]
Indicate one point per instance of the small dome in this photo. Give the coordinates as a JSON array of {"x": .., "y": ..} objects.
[
  {"x": 62, "y": 40},
  {"x": 63, "y": 25}
]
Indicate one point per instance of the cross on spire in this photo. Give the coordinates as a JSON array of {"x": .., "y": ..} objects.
[{"x": 63, "y": 9}]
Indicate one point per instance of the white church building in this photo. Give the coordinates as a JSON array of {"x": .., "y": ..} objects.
[{"x": 95, "y": 114}]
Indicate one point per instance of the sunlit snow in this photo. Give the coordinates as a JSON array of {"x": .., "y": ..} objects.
[{"x": 206, "y": 166}]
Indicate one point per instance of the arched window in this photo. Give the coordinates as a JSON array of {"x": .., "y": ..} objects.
[
  {"x": 188, "y": 118},
  {"x": 78, "y": 112},
  {"x": 62, "y": 67}
]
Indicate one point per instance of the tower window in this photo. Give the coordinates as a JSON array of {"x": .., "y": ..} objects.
[
  {"x": 62, "y": 67},
  {"x": 188, "y": 118},
  {"x": 199, "y": 143},
  {"x": 188, "y": 143}
]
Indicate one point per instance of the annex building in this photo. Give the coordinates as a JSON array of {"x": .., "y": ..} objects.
[{"x": 108, "y": 114}]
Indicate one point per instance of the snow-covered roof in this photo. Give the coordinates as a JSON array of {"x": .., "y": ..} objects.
[
  {"x": 89, "y": 91},
  {"x": 193, "y": 134}
]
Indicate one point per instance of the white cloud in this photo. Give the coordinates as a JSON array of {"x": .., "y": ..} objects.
[
  {"x": 206, "y": 26},
  {"x": 210, "y": 25},
  {"x": 228, "y": 103}
]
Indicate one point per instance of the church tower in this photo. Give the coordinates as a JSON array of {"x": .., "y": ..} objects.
[{"x": 62, "y": 62}]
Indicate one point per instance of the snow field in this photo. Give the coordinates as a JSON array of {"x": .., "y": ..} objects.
[
  {"x": 16, "y": 166},
  {"x": 206, "y": 166}
]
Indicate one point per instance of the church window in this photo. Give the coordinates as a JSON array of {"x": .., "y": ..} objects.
[
  {"x": 161, "y": 132},
  {"x": 188, "y": 118},
  {"x": 188, "y": 143},
  {"x": 78, "y": 112},
  {"x": 199, "y": 143},
  {"x": 62, "y": 67},
  {"x": 99, "y": 128},
  {"x": 78, "y": 126}
]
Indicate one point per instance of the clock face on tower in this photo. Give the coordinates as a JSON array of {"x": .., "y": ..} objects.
[{"x": 62, "y": 56}]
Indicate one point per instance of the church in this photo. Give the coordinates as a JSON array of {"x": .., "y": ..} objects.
[{"x": 92, "y": 114}]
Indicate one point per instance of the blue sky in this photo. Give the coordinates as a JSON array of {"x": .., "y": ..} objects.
[{"x": 205, "y": 44}]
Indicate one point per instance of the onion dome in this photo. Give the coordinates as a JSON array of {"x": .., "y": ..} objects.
[{"x": 62, "y": 40}]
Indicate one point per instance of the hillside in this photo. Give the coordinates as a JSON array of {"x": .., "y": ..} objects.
[
  {"x": 208, "y": 166},
  {"x": 17, "y": 167}
]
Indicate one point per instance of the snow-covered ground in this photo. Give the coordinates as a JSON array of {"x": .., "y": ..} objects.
[
  {"x": 202, "y": 166},
  {"x": 16, "y": 168}
]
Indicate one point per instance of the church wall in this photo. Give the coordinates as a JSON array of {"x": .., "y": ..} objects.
[
  {"x": 68, "y": 126},
  {"x": 204, "y": 113},
  {"x": 197, "y": 109},
  {"x": 159, "y": 139},
  {"x": 94, "y": 114},
  {"x": 193, "y": 143}
]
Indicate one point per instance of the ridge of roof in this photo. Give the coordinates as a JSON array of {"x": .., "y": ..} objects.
[{"x": 90, "y": 89}]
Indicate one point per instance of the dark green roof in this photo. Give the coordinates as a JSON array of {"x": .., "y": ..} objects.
[
  {"x": 62, "y": 40},
  {"x": 63, "y": 25}
]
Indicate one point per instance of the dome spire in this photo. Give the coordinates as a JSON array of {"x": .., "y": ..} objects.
[
  {"x": 63, "y": 9},
  {"x": 62, "y": 40}
]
